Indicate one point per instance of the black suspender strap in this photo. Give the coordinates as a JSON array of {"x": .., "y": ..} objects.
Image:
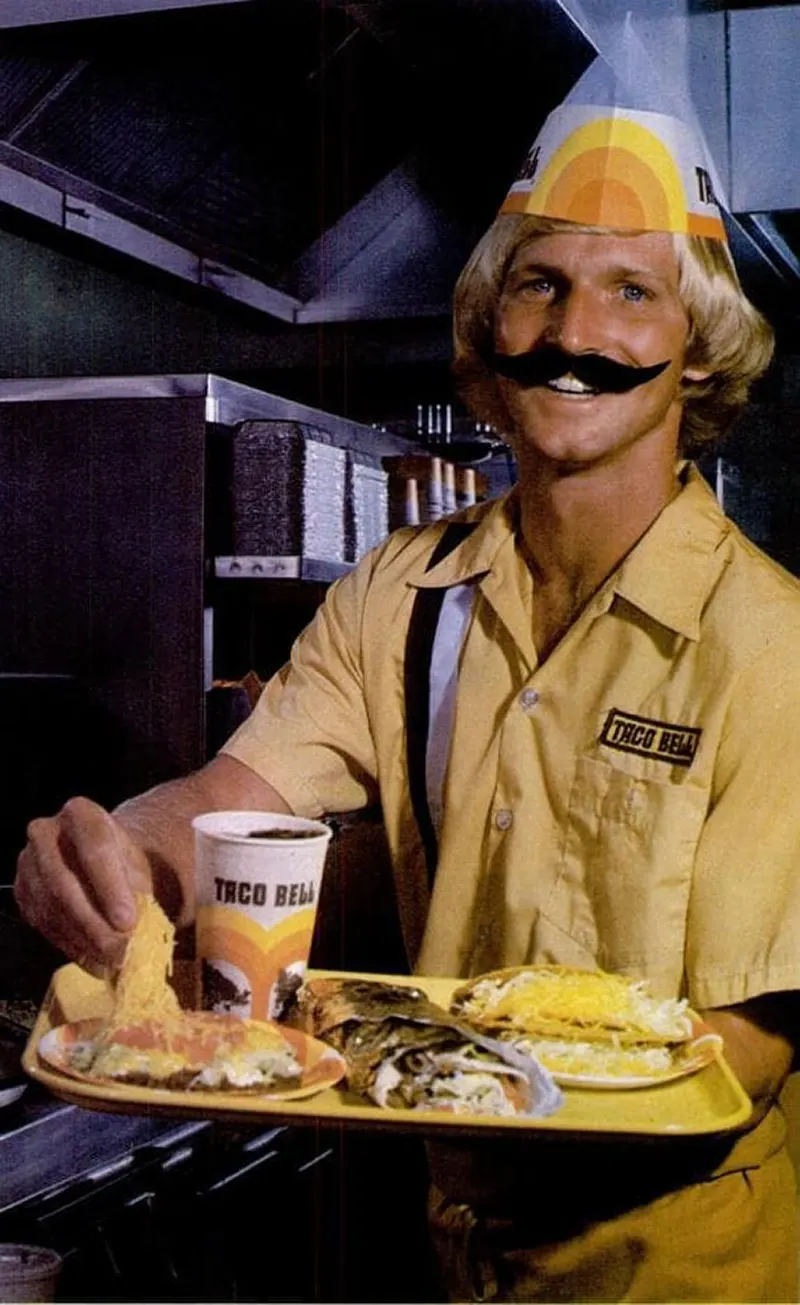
[{"x": 419, "y": 648}]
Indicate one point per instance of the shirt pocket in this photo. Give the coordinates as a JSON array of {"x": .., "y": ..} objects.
[{"x": 626, "y": 868}]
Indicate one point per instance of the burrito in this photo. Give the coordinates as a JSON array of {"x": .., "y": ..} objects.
[{"x": 404, "y": 1052}]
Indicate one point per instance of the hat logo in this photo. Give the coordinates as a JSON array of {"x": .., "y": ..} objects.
[
  {"x": 619, "y": 168},
  {"x": 614, "y": 170}
]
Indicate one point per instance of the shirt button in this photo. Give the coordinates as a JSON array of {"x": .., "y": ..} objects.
[
  {"x": 528, "y": 698},
  {"x": 504, "y": 819}
]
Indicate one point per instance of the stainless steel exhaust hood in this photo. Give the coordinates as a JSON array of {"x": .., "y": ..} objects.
[{"x": 332, "y": 162}]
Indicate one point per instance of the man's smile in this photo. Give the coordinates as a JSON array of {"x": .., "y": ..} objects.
[{"x": 570, "y": 384}]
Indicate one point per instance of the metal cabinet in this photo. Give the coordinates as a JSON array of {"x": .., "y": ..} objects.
[{"x": 107, "y": 581}]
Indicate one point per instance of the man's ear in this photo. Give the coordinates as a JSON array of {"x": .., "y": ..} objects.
[{"x": 695, "y": 373}]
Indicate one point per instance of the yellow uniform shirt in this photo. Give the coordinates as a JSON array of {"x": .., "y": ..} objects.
[{"x": 631, "y": 802}]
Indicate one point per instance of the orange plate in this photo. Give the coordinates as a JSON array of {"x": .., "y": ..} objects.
[{"x": 706, "y": 1102}]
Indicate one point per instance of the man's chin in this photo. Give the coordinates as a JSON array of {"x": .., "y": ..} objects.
[
  {"x": 569, "y": 448},
  {"x": 569, "y": 456},
  {"x": 548, "y": 416}
]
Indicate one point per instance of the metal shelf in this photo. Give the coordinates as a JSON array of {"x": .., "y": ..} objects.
[{"x": 279, "y": 568}]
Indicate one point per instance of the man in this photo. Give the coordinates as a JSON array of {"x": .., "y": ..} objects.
[{"x": 608, "y": 738}]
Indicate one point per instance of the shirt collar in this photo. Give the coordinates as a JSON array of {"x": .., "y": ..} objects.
[
  {"x": 478, "y": 553},
  {"x": 667, "y": 575}
]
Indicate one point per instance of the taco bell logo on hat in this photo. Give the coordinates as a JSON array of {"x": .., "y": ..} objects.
[{"x": 628, "y": 169}]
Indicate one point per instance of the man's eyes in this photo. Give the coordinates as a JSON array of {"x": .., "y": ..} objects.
[
  {"x": 635, "y": 293},
  {"x": 540, "y": 285}
]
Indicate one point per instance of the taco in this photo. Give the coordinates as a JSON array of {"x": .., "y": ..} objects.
[
  {"x": 140, "y": 989},
  {"x": 403, "y": 1051},
  {"x": 557, "y": 1002},
  {"x": 584, "y": 1024}
]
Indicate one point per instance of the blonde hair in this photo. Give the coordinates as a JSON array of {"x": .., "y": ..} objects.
[{"x": 727, "y": 334}]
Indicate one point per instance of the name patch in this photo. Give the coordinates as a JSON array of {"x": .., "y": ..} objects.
[{"x": 675, "y": 744}]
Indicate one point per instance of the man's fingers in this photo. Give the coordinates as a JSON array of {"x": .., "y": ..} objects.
[
  {"x": 101, "y": 969},
  {"x": 54, "y": 903},
  {"x": 100, "y": 854},
  {"x": 75, "y": 882}
]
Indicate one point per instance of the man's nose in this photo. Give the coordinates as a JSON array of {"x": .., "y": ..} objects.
[{"x": 576, "y": 321}]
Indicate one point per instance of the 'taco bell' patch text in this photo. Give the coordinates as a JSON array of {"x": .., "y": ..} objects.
[{"x": 675, "y": 744}]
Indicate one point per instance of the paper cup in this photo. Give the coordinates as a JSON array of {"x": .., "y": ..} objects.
[
  {"x": 28, "y": 1273},
  {"x": 257, "y": 877}
]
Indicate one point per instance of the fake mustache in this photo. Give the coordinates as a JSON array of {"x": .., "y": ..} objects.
[{"x": 548, "y": 363}]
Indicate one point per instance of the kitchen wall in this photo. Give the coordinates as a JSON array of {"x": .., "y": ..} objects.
[{"x": 71, "y": 310}]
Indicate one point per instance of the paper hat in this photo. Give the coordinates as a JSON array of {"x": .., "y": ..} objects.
[{"x": 605, "y": 158}]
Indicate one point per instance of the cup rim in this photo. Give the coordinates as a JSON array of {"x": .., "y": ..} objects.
[{"x": 205, "y": 824}]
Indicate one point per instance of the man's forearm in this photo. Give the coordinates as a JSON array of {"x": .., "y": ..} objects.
[{"x": 160, "y": 821}]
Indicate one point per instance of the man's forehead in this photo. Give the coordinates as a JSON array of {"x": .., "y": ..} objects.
[{"x": 650, "y": 252}]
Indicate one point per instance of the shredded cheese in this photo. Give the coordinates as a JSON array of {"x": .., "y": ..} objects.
[
  {"x": 141, "y": 989},
  {"x": 591, "y": 998},
  {"x": 555, "y": 998}
]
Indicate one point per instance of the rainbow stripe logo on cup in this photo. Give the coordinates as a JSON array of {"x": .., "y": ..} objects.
[{"x": 248, "y": 969}]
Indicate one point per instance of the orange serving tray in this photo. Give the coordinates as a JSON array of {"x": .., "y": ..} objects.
[{"x": 709, "y": 1101}]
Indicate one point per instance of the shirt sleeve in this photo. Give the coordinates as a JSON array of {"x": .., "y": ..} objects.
[
  {"x": 743, "y": 929},
  {"x": 309, "y": 735}
]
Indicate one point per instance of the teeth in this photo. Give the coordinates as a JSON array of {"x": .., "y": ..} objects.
[{"x": 570, "y": 384}]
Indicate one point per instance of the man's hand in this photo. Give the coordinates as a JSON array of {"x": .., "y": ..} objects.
[
  {"x": 761, "y": 1037},
  {"x": 78, "y": 874},
  {"x": 76, "y": 880}
]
